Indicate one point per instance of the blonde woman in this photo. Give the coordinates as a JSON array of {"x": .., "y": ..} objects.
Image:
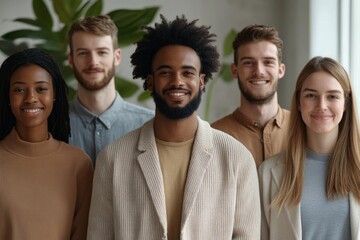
[{"x": 312, "y": 190}]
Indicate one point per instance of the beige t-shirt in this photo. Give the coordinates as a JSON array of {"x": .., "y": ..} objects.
[{"x": 174, "y": 160}]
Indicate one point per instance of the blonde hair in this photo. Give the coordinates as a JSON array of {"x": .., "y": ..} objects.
[{"x": 344, "y": 169}]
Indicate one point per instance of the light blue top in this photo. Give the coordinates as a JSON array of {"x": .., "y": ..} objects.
[
  {"x": 322, "y": 218},
  {"x": 92, "y": 133}
]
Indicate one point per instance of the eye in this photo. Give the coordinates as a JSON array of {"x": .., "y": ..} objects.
[
  {"x": 247, "y": 63},
  {"x": 310, "y": 95},
  {"x": 42, "y": 89},
  {"x": 189, "y": 73},
  {"x": 19, "y": 90},
  {"x": 82, "y": 53},
  {"x": 103, "y": 53},
  {"x": 333, "y": 97},
  {"x": 269, "y": 62},
  {"x": 164, "y": 73}
]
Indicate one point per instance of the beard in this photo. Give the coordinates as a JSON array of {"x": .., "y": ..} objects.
[
  {"x": 257, "y": 98},
  {"x": 176, "y": 113},
  {"x": 95, "y": 85}
]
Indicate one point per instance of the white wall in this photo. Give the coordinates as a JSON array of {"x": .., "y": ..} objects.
[{"x": 222, "y": 16}]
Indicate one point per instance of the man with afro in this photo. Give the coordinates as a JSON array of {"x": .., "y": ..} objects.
[{"x": 175, "y": 177}]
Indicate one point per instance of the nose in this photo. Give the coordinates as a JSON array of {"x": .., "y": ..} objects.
[
  {"x": 322, "y": 103},
  {"x": 259, "y": 70},
  {"x": 31, "y": 97},
  {"x": 93, "y": 59},
  {"x": 177, "y": 79}
]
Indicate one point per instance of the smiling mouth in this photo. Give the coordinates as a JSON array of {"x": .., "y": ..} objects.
[
  {"x": 32, "y": 110},
  {"x": 259, "y": 82}
]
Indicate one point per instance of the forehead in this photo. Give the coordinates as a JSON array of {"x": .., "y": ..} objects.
[
  {"x": 85, "y": 40},
  {"x": 322, "y": 82},
  {"x": 176, "y": 56},
  {"x": 30, "y": 74},
  {"x": 260, "y": 49}
]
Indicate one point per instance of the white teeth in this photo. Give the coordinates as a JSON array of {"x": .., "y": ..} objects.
[
  {"x": 177, "y": 94},
  {"x": 260, "y": 82},
  {"x": 32, "y": 110}
]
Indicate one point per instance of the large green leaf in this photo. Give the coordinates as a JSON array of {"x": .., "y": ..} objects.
[
  {"x": 32, "y": 34},
  {"x": 80, "y": 12},
  {"x": 129, "y": 23},
  {"x": 9, "y": 47},
  {"x": 125, "y": 87},
  {"x": 225, "y": 73},
  {"x": 42, "y": 13},
  {"x": 56, "y": 46},
  {"x": 66, "y": 9},
  {"x": 228, "y": 49},
  {"x": 32, "y": 22},
  {"x": 144, "y": 96},
  {"x": 95, "y": 9}
]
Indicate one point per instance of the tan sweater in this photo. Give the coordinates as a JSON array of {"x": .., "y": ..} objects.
[{"x": 45, "y": 190}]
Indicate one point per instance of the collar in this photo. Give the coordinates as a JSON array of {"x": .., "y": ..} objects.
[
  {"x": 278, "y": 119},
  {"x": 107, "y": 118},
  {"x": 14, "y": 144}
]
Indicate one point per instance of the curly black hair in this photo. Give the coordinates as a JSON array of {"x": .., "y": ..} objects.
[
  {"x": 176, "y": 32},
  {"x": 58, "y": 121}
]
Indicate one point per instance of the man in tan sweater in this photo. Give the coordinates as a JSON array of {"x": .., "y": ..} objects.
[{"x": 176, "y": 177}]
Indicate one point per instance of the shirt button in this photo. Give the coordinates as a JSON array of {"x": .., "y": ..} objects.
[{"x": 98, "y": 133}]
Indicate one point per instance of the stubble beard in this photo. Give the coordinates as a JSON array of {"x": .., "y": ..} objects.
[
  {"x": 260, "y": 98},
  {"x": 95, "y": 85}
]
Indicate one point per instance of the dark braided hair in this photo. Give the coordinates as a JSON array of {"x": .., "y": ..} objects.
[
  {"x": 176, "y": 32},
  {"x": 58, "y": 121}
]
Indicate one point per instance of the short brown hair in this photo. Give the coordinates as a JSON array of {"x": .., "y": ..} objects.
[
  {"x": 256, "y": 33},
  {"x": 98, "y": 25}
]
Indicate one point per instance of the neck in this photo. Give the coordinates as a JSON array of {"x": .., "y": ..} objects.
[
  {"x": 260, "y": 113},
  {"x": 171, "y": 130},
  {"x": 321, "y": 143},
  {"x": 33, "y": 134},
  {"x": 98, "y": 101}
]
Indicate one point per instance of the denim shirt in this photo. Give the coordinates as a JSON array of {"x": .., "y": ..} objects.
[{"x": 92, "y": 133}]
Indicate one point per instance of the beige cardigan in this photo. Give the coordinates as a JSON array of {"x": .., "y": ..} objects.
[
  {"x": 287, "y": 224},
  {"x": 221, "y": 199}
]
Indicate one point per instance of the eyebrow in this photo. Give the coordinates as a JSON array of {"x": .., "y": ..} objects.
[
  {"x": 313, "y": 90},
  {"x": 252, "y": 58},
  {"x": 24, "y": 82},
  {"x": 97, "y": 49},
  {"x": 169, "y": 67}
]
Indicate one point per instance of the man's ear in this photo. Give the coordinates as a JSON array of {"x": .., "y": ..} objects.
[
  {"x": 233, "y": 71},
  {"x": 281, "y": 70},
  {"x": 70, "y": 60},
  {"x": 118, "y": 56},
  {"x": 202, "y": 81}
]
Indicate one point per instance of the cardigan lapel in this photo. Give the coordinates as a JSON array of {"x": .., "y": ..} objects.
[
  {"x": 150, "y": 166},
  {"x": 354, "y": 217},
  {"x": 289, "y": 218},
  {"x": 200, "y": 159}
]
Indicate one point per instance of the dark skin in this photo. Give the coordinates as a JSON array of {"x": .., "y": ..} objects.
[{"x": 176, "y": 66}]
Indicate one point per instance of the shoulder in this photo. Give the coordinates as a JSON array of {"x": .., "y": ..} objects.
[
  {"x": 222, "y": 122},
  {"x": 276, "y": 162},
  {"x": 74, "y": 153},
  {"x": 136, "y": 109},
  {"x": 228, "y": 147},
  {"x": 122, "y": 145}
]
